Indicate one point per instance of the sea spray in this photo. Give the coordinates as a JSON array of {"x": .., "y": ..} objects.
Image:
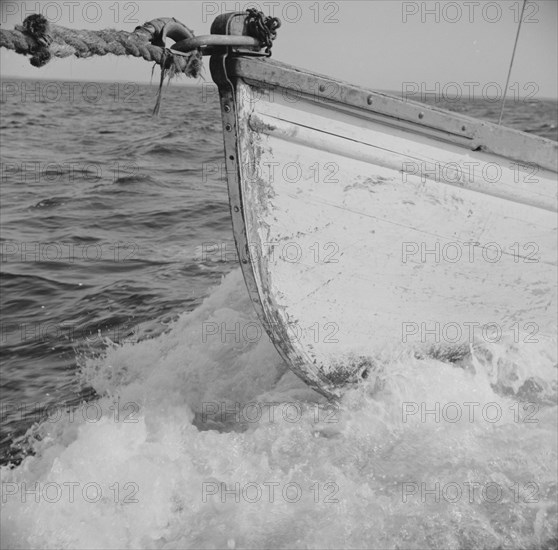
[{"x": 216, "y": 444}]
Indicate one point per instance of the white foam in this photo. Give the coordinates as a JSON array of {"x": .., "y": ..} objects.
[{"x": 360, "y": 455}]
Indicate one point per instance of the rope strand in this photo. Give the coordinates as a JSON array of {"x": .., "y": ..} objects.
[{"x": 511, "y": 63}]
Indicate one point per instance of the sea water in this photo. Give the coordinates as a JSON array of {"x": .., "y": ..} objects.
[{"x": 129, "y": 422}]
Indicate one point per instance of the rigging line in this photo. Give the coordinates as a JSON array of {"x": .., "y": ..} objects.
[{"x": 511, "y": 63}]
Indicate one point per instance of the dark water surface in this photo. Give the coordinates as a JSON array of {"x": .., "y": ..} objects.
[{"x": 103, "y": 207}]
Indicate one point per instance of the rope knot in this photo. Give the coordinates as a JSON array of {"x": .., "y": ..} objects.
[
  {"x": 262, "y": 27},
  {"x": 38, "y": 28}
]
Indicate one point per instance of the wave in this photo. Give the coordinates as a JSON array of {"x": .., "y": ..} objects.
[{"x": 195, "y": 427}]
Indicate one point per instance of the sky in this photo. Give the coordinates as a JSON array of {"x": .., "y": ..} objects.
[{"x": 446, "y": 47}]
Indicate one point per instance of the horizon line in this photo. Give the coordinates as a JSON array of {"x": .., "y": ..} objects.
[{"x": 189, "y": 84}]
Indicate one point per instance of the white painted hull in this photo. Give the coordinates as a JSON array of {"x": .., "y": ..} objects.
[{"x": 368, "y": 232}]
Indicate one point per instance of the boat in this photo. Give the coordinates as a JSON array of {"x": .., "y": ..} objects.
[{"x": 370, "y": 227}]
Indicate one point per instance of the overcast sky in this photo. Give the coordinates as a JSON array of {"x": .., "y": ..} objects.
[{"x": 462, "y": 46}]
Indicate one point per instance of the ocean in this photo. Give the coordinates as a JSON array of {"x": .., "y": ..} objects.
[{"x": 124, "y": 426}]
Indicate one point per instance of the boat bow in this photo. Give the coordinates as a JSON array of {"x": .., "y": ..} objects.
[{"x": 369, "y": 227}]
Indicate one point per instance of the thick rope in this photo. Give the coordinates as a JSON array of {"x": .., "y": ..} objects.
[{"x": 43, "y": 41}]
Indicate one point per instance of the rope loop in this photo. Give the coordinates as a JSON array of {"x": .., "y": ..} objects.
[
  {"x": 44, "y": 40},
  {"x": 36, "y": 26}
]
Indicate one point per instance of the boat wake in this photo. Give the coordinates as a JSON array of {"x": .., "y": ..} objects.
[{"x": 203, "y": 438}]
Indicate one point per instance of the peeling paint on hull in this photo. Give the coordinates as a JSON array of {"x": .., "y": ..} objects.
[{"x": 370, "y": 234}]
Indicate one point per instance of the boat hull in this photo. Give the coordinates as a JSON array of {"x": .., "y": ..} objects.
[{"x": 369, "y": 228}]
